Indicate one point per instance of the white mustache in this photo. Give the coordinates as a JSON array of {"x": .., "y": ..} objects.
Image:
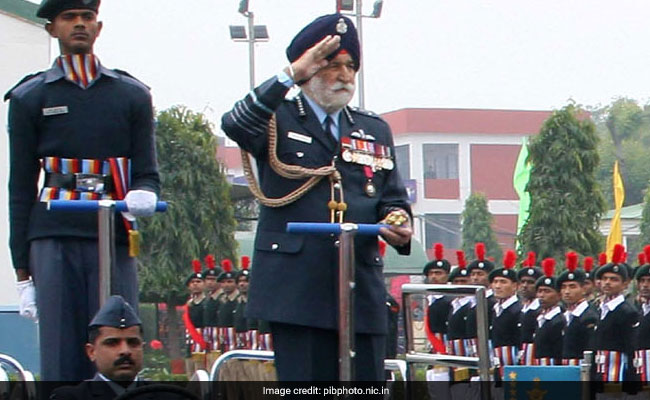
[{"x": 340, "y": 85}]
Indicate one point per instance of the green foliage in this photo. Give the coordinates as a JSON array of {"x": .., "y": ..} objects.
[
  {"x": 199, "y": 219},
  {"x": 156, "y": 367},
  {"x": 624, "y": 130},
  {"x": 566, "y": 201},
  {"x": 477, "y": 227},
  {"x": 644, "y": 238}
]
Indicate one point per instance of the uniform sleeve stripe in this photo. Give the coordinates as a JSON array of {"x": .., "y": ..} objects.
[
  {"x": 260, "y": 104},
  {"x": 239, "y": 117}
]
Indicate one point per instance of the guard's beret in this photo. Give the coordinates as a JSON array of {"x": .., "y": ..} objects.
[
  {"x": 333, "y": 24},
  {"x": 577, "y": 275},
  {"x": 548, "y": 280},
  {"x": 507, "y": 271},
  {"x": 49, "y": 9},
  {"x": 531, "y": 272},
  {"x": 227, "y": 272},
  {"x": 617, "y": 265},
  {"x": 481, "y": 262},
  {"x": 117, "y": 313},
  {"x": 439, "y": 262},
  {"x": 643, "y": 270}
]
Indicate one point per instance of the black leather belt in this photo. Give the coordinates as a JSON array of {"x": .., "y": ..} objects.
[{"x": 95, "y": 183}]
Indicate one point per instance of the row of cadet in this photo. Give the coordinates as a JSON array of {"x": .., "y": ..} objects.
[
  {"x": 538, "y": 317},
  {"x": 214, "y": 313}
]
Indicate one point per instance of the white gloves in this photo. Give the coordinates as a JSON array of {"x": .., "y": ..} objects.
[
  {"x": 27, "y": 294},
  {"x": 141, "y": 203}
]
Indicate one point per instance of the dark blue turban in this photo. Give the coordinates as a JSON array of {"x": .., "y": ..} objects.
[{"x": 333, "y": 24}]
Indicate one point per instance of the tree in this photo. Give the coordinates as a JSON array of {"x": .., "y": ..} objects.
[
  {"x": 644, "y": 238},
  {"x": 566, "y": 201},
  {"x": 199, "y": 219},
  {"x": 477, "y": 227}
]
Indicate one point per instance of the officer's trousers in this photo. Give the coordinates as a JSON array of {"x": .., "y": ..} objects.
[
  {"x": 311, "y": 354},
  {"x": 65, "y": 273}
]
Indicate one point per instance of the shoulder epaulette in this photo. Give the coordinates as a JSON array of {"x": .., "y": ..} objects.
[
  {"x": 364, "y": 112},
  {"x": 25, "y": 79},
  {"x": 122, "y": 72}
]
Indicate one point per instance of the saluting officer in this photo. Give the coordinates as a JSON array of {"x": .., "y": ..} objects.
[
  {"x": 527, "y": 276},
  {"x": 504, "y": 330},
  {"x": 90, "y": 130},
  {"x": 319, "y": 160},
  {"x": 550, "y": 320},
  {"x": 642, "y": 352},
  {"x": 580, "y": 316}
]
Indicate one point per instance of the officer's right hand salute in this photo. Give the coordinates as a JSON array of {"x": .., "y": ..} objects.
[{"x": 313, "y": 59}]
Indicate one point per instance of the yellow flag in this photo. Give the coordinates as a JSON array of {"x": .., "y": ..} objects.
[{"x": 615, "y": 231}]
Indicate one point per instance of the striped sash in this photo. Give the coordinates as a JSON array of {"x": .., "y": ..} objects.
[
  {"x": 611, "y": 364},
  {"x": 571, "y": 361},
  {"x": 242, "y": 340},
  {"x": 528, "y": 354},
  {"x": 252, "y": 338},
  {"x": 73, "y": 166},
  {"x": 505, "y": 355},
  {"x": 211, "y": 337},
  {"x": 457, "y": 347},
  {"x": 545, "y": 361},
  {"x": 194, "y": 346},
  {"x": 642, "y": 364},
  {"x": 227, "y": 338},
  {"x": 80, "y": 69},
  {"x": 265, "y": 341}
]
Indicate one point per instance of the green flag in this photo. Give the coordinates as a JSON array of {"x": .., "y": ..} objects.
[{"x": 519, "y": 181}]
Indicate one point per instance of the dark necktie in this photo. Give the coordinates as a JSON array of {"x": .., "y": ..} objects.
[{"x": 329, "y": 127}]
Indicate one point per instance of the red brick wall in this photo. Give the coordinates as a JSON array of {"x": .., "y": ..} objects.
[
  {"x": 492, "y": 168},
  {"x": 441, "y": 189}
]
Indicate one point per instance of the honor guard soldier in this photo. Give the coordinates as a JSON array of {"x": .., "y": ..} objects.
[
  {"x": 319, "y": 160},
  {"x": 588, "y": 266},
  {"x": 580, "y": 316},
  {"x": 527, "y": 276},
  {"x": 193, "y": 320},
  {"x": 437, "y": 272},
  {"x": 246, "y": 339},
  {"x": 479, "y": 271},
  {"x": 227, "y": 307},
  {"x": 617, "y": 327},
  {"x": 90, "y": 129},
  {"x": 504, "y": 330},
  {"x": 550, "y": 320},
  {"x": 598, "y": 293},
  {"x": 210, "y": 309},
  {"x": 642, "y": 352}
]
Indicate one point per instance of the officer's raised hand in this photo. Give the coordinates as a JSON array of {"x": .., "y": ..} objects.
[{"x": 315, "y": 58}]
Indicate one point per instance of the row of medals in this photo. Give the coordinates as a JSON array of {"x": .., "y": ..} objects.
[{"x": 370, "y": 160}]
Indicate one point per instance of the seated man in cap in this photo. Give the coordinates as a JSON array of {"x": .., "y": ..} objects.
[
  {"x": 90, "y": 129},
  {"x": 315, "y": 164},
  {"x": 115, "y": 346}
]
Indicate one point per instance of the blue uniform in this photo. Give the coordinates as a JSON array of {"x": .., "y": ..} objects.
[
  {"x": 51, "y": 117},
  {"x": 295, "y": 275}
]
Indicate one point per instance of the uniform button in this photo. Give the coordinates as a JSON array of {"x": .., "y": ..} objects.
[
  {"x": 337, "y": 243},
  {"x": 336, "y": 158},
  {"x": 300, "y": 154},
  {"x": 275, "y": 246},
  {"x": 377, "y": 259}
]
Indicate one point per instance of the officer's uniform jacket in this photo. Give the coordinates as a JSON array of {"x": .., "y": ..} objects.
[
  {"x": 579, "y": 332},
  {"x": 52, "y": 117},
  {"x": 548, "y": 337},
  {"x": 304, "y": 267}
]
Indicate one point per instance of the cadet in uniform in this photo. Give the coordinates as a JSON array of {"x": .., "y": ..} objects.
[
  {"x": 479, "y": 271},
  {"x": 227, "y": 307},
  {"x": 642, "y": 352},
  {"x": 457, "y": 337},
  {"x": 580, "y": 316},
  {"x": 588, "y": 266},
  {"x": 78, "y": 117},
  {"x": 437, "y": 272},
  {"x": 618, "y": 323},
  {"x": 526, "y": 278},
  {"x": 504, "y": 330},
  {"x": 319, "y": 161},
  {"x": 210, "y": 309},
  {"x": 550, "y": 320},
  {"x": 193, "y": 320}
]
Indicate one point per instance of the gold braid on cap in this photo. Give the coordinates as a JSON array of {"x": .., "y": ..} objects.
[{"x": 289, "y": 171}]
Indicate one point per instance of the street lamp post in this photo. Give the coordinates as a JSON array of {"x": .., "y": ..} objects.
[
  {"x": 348, "y": 5},
  {"x": 256, "y": 33}
]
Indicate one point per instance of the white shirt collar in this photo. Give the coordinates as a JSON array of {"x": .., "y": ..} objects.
[
  {"x": 433, "y": 297},
  {"x": 554, "y": 311},
  {"x": 584, "y": 304},
  {"x": 533, "y": 305},
  {"x": 510, "y": 301},
  {"x": 613, "y": 303}
]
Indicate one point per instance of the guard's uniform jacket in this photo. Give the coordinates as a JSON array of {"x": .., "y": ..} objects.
[
  {"x": 52, "y": 117},
  {"x": 195, "y": 313},
  {"x": 472, "y": 322},
  {"x": 642, "y": 352},
  {"x": 579, "y": 332},
  {"x": 307, "y": 264},
  {"x": 505, "y": 333},
  {"x": 615, "y": 335},
  {"x": 437, "y": 314},
  {"x": 210, "y": 311},
  {"x": 527, "y": 324},
  {"x": 226, "y": 320},
  {"x": 548, "y": 337}
]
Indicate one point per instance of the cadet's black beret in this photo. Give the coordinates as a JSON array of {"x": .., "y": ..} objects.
[
  {"x": 460, "y": 271},
  {"x": 480, "y": 262},
  {"x": 617, "y": 266},
  {"x": 532, "y": 272},
  {"x": 49, "y": 9},
  {"x": 116, "y": 312},
  {"x": 644, "y": 267},
  {"x": 439, "y": 262},
  {"x": 507, "y": 271},
  {"x": 211, "y": 269},
  {"x": 196, "y": 267},
  {"x": 227, "y": 271},
  {"x": 548, "y": 265},
  {"x": 571, "y": 273},
  {"x": 333, "y": 24}
]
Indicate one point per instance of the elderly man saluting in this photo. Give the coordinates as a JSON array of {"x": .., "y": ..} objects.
[{"x": 319, "y": 160}]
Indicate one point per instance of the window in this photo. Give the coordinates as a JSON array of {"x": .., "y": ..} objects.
[
  {"x": 443, "y": 228},
  {"x": 440, "y": 161},
  {"x": 402, "y": 160}
]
